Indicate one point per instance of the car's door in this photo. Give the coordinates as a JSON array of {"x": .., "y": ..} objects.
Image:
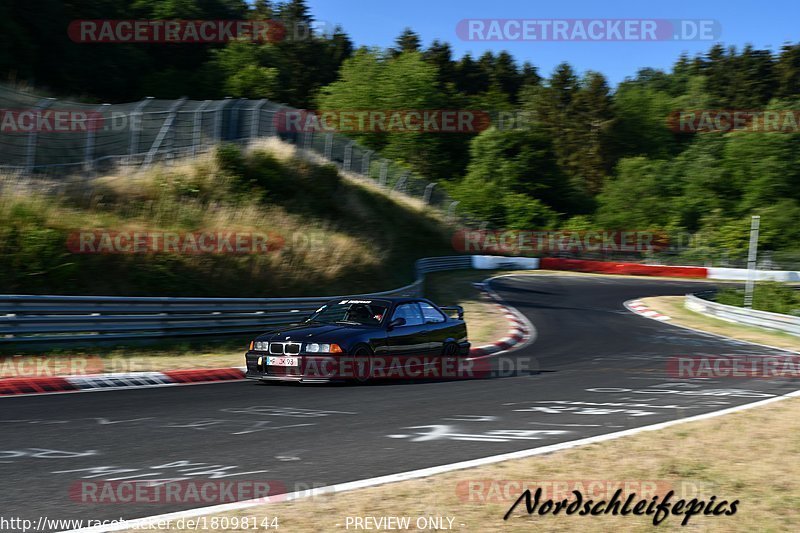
[
  {"x": 407, "y": 340},
  {"x": 434, "y": 331}
]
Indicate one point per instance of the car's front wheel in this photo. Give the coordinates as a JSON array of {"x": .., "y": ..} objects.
[{"x": 362, "y": 363}]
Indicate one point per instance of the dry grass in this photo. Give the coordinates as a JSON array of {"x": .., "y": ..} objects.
[
  {"x": 486, "y": 323},
  {"x": 323, "y": 249}
]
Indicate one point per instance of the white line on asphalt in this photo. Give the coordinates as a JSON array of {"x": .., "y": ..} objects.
[{"x": 424, "y": 472}]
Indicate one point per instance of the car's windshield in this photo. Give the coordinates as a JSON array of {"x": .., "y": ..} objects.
[{"x": 356, "y": 312}]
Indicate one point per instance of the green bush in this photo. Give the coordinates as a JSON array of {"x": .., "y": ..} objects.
[
  {"x": 268, "y": 172},
  {"x": 767, "y": 296},
  {"x": 324, "y": 179},
  {"x": 230, "y": 159}
]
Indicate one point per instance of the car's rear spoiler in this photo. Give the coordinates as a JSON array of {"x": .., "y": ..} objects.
[{"x": 457, "y": 308}]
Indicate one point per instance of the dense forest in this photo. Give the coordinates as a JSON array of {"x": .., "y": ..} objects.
[{"x": 582, "y": 154}]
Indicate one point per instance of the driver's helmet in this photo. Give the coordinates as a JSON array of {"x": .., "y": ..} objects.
[{"x": 360, "y": 313}]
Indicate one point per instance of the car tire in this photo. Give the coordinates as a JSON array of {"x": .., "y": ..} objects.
[
  {"x": 450, "y": 349},
  {"x": 363, "y": 351}
]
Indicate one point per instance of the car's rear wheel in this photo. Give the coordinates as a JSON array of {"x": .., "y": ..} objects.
[{"x": 450, "y": 349}]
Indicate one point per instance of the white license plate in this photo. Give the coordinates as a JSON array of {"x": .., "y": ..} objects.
[{"x": 282, "y": 361}]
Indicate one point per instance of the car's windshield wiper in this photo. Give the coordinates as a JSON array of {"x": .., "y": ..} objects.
[{"x": 349, "y": 322}]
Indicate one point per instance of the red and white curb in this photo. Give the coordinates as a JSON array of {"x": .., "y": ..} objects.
[
  {"x": 520, "y": 332},
  {"x": 636, "y": 306},
  {"x": 95, "y": 382}
]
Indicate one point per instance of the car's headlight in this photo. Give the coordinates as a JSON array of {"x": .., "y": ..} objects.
[
  {"x": 262, "y": 346},
  {"x": 314, "y": 347}
]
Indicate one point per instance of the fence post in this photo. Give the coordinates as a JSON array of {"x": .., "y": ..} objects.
[
  {"x": 272, "y": 130},
  {"x": 328, "y": 154},
  {"x": 348, "y": 155},
  {"x": 197, "y": 126},
  {"x": 88, "y": 154},
  {"x": 163, "y": 132},
  {"x": 218, "y": 118},
  {"x": 136, "y": 126},
  {"x": 428, "y": 191},
  {"x": 233, "y": 125},
  {"x": 384, "y": 172},
  {"x": 30, "y": 156},
  {"x": 255, "y": 121},
  {"x": 401, "y": 183},
  {"x": 365, "y": 162},
  {"x": 451, "y": 210}
]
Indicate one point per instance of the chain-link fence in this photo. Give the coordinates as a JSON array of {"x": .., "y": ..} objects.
[{"x": 57, "y": 137}]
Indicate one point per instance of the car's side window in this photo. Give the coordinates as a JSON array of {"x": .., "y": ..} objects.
[
  {"x": 431, "y": 314},
  {"x": 410, "y": 312}
]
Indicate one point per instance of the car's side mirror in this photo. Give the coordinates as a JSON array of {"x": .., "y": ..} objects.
[{"x": 397, "y": 322}]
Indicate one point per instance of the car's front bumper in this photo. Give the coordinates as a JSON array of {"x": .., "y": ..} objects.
[{"x": 307, "y": 371}]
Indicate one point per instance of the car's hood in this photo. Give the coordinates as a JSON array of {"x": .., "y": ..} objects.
[{"x": 312, "y": 333}]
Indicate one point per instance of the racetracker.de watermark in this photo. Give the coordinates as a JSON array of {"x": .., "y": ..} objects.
[
  {"x": 175, "y": 491},
  {"x": 734, "y": 120},
  {"x": 188, "y": 243},
  {"x": 34, "y": 120},
  {"x": 382, "y": 121},
  {"x": 391, "y": 367},
  {"x": 178, "y": 31},
  {"x": 734, "y": 366},
  {"x": 588, "y": 30},
  {"x": 31, "y": 366},
  {"x": 521, "y": 242}
]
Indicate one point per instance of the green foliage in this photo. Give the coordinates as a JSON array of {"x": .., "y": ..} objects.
[
  {"x": 637, "y": 198},
  {"x": 523, "y": 213},
  {"x": 767, "y": 296},
  {"x": 230, "y": 159}
]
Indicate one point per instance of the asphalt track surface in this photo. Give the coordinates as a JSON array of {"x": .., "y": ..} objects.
[{"x": 589, "y": 350}]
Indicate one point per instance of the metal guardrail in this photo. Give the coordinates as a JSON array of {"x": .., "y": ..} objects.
[
  {"x": 751, "y": 317},
  {"x": 26, "y": 319}
]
